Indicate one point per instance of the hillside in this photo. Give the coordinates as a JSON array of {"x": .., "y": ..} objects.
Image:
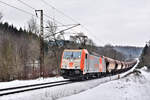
[
  {"x": 129, "y": 51},
  {"x": 119, "y": 52},
  {"x": 128, "y": 88}
]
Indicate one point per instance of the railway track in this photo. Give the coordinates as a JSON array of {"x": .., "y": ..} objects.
[{"x": 19, "y": 89}]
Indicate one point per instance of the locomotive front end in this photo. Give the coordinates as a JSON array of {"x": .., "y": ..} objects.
[{"x": 70, "y": 63}]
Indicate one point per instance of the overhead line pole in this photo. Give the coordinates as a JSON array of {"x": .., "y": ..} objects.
[{"x": 42, "y": 69}]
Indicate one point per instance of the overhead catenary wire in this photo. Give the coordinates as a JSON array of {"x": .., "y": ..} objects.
[
  {"x": 44, "y": 14},
  {"x": 17, "y": 8},
  {"x": 36, "y": 9},
  {"x": 29, "y": 13},
  {"x": 26, "y": 4},
  {"x": 33, "y": 9},
  {"x": 54, "y": 8},
  {"x": 59, "y": 11},
  {"x": 62, "y": 25}
]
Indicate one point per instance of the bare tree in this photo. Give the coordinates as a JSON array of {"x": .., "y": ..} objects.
[
  {"x": 6, "y": 59},
  {"x": 1, "y": 15},
  {"x": 52, "y": 28},
  {"x": 55, "y": 49},
  {"x": 32, "y": 26}
]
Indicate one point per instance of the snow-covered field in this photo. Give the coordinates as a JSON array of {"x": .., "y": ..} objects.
[
  {"x": 28, "y": 82},
  {"x": 132, "y": 87},
  {"x": 57, "y": 92},
  {"x": 129, "y": 88}
]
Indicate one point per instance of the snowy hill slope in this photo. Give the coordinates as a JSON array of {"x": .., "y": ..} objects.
[{"x": 129, "y": 88}]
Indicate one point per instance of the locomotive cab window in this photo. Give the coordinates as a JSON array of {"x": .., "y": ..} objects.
[{"x": 72, "y": 55}]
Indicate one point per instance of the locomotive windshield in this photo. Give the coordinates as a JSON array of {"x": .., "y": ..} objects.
[{"x": 72, "y": 55}]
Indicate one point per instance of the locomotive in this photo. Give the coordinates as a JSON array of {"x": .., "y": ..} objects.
[{"x": 81, "y": 65}]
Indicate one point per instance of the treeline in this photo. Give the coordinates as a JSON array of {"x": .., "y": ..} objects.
[
  {"x": 110, "y": 51},
  {"x": 17, "y": 49},
  {"x": 129, "y": 51}
]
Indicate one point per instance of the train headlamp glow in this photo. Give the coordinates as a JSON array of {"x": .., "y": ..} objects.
[
  {"x": 76, "y": 66},
  {"x": 64, "y": 66}
]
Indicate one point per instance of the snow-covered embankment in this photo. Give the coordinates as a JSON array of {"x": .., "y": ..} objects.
[{"x": 62, "y": 91}]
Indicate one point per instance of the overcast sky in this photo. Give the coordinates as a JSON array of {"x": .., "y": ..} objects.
[{"x": 117, "y": 22}]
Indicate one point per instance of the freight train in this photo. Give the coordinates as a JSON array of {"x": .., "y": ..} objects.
[{"x": 81, "y": 65}]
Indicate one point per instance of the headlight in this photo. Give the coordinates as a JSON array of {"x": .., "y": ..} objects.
[
  {"x": 64, "y": 66},
  {"x": 76, "y": 66}
]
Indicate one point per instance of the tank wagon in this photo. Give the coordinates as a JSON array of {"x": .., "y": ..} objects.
[{"x": 80, "y": 65}]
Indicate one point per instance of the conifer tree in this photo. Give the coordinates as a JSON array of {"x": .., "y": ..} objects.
[{"x": 145, "y": 57}]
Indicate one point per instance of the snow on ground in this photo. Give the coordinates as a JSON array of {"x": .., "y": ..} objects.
[
  {"x": 92, "y": 89},
  {"x": 133, "y": 87},
  {"x": 28, "y": 82},
  {"x": 56, "y": 92}
]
